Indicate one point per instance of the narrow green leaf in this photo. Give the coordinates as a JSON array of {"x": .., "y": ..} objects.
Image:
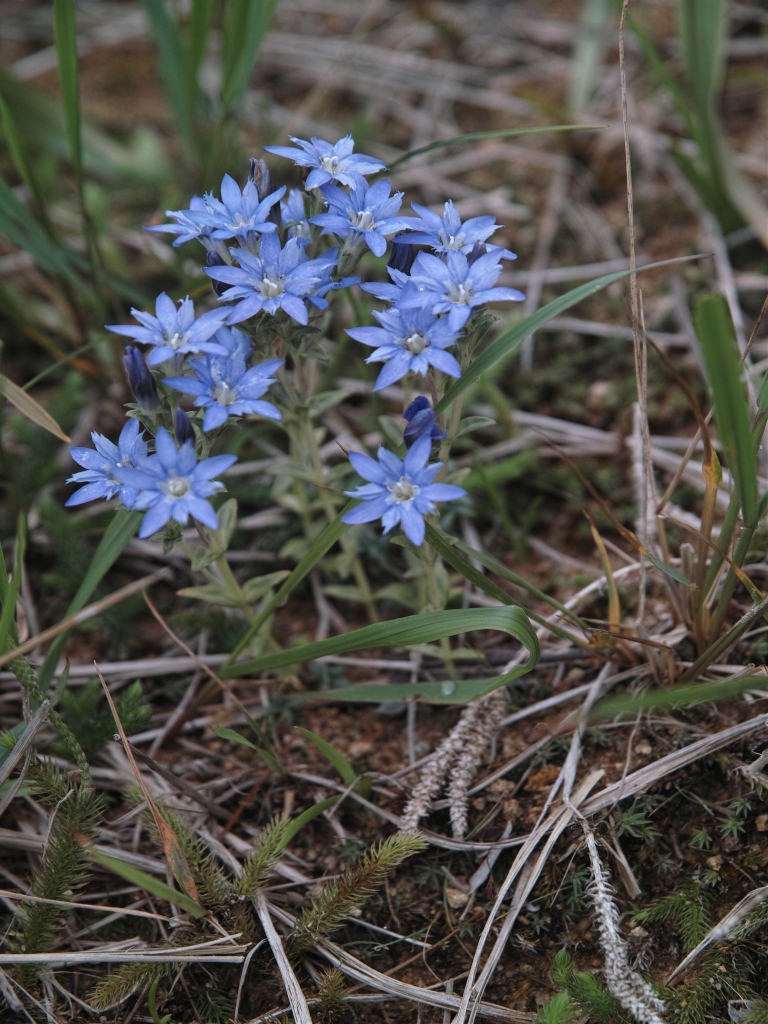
[
  {"x": 678, "y": 696},
  {"x": 299, "y": 822},
  {"x": 721, "y": 356},
  {"x": 21, "y": 228},
  {"x": 319, "y": 548},
  {"x": 509, "y": 341},
  {"x": 702, "y": 33},
  {"x": 674, "y": 574},
  {"x": 17, "y": 149},
  {"x": 170, "y": 58},
  {"x": 501, "y": 134},
  {"x": 199, "y": 27},
  {"x": 28, "y": 407},
  {"x": 245, "y": 25},
  {"x": 11, "y": 590},
  {"x": 122, "y": 529},
  {"x": 264, "y": 752},
  {"x": 65, "y": 37},
  {"x": 147, "y": 882},
  {"x": 337, "y": 759},
  {"x": 413, "y": 629}
]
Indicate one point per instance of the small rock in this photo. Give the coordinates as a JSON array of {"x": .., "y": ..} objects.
[
  {"x": 456, "y": 898},
  {"x": 715, "y": 862},
  {"x": 761, "y": 823},
  {"x": 639, "y": 932},
  {"x": 543, "y": 778},
  {"x": 644, "y": 748}
]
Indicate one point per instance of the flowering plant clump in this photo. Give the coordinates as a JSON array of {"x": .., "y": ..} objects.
[{"x": 275, "y": 257}]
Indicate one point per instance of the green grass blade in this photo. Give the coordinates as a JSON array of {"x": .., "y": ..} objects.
[
  {"x": 319, "y": 548},
  {"x": 405, "y": 632},
  {"x": 23, "y": 231},
  {"x": 246, "y": 23},
  {"x": 170, "y": 57},
  {"x": 299, "y": 822},
  {"x": 17, "y": 149},
  {"x": 679, "y": 696},
  {"x": 505, "y": 345},
  {"x": 337, "y": 759},
  {"x": 721, "y": 356},
  {"x": 504, "y": 133},
  {"x": 448, "y": 691},
  {"x": 199, "y": 27},
  {"x": 122, "y": 528},
  {"x": 148, "y": 883},
  {"x": 65, "y": 37},
  {"x": 11, "y": 588},
  {"x": 587, "y": 60},
  {"x": 702, "y": 34}
]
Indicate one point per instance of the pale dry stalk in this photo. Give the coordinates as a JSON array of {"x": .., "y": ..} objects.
[
  {"x": 490, "y": 714},
  {"x": 632, "y": 991}
]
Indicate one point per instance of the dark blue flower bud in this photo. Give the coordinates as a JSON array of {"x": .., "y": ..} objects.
[
  {"x": 478, "y": 249},
  {"x": 421, "y": 420},
  {"x": 212, "y": 259},
  {"x": 258, "y": 171},
  {"x": 402, "y": 256},
  {"x": 141, "y": 380},
  {"x": 184, "y": 429}
]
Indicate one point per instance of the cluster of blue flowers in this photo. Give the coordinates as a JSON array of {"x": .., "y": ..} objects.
[{"x": 257, "y": 242}]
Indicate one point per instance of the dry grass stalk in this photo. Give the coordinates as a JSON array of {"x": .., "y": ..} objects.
[
  {"x": 632, "y": 991},
  {"x": 296, "y": 997},
  {"x": 466, "y": 765}
]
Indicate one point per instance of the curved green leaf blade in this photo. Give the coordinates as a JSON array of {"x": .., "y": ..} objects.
[
  {"x": 718, "y": 344},
  {"x": 405, "y": 632},
  {"x": 65, "y": 35},
  {"x": 147, "y": 882},
  {"x": 509, "y": 341}
]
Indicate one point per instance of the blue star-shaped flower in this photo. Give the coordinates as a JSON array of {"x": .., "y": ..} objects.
[
  {"x": 101, "y": 465},
  {"x": 275, "y": 279},
  {"x": 447, "y": 233},
  {"x": 224, "y": 387},
  {"x": 408, "y": 339},
  {"x": 295, "y": 215},
  {"x": 457, "y": 285},
  {"x": 367, "y": 212},
  {"x": 388, "y": 292},
  {"x": 399, "y": 491},
  {"x": 237, "y": 214},
  {"x": 174, "y": 331},
  {"x": 326, "y": 262},
  {"x": 172, "y": 484},
  {"x": 328, "y": 162}
]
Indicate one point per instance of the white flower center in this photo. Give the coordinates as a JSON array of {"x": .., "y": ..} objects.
[
  {"x": 416, "y": 343},
  {"x": 451, "y": 241},
  {"x": 403, "y": 491},
  {"x": 224, "y": 394},
  {"x": 177, "y": 340},
  {"x": 177, "y": 487},
  {"x": 269, "y": 288},
  {"x": 329, "y": 163},
  {"x": 460, "y": 294},
  {"x": 363, "y": 221}
]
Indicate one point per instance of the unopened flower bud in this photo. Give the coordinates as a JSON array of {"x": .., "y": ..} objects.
[
  {"x": 258, "y": 171},
  {"x": 402, "y": 256},
  {"x": 184, "y": 429},
  {"x": 262, "y": 179},
  {"x": 212, "y": 259},
  {"x": 421, "y": 420},
  {"x": 141, "y": 380},
  {"x": 478, "y": 249}
]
